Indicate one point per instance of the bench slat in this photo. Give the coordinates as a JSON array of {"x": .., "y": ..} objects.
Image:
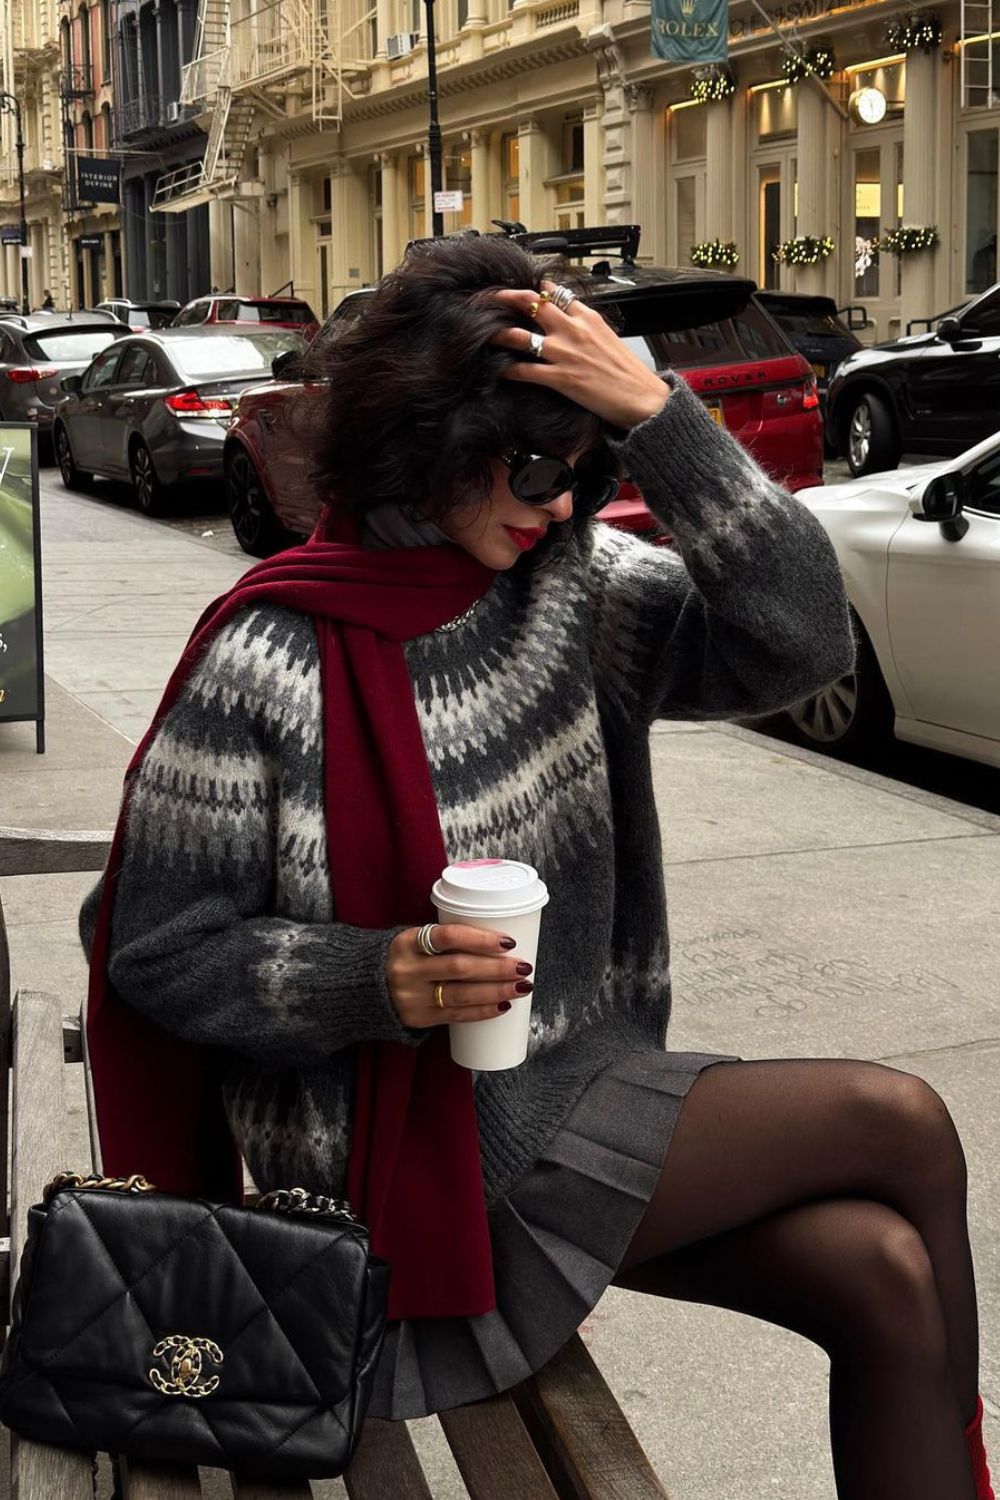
[
  {"x": 36, "y": 1469},
  {"x": 46, "y": 851},
  {"x": 386, "y": 1464},
  {"x": 494, "y": 1453},
  {"x": 256, "y": 1489},
  {"x": 143, "y": 1481},
  {"x": 582, "y": 1433}
]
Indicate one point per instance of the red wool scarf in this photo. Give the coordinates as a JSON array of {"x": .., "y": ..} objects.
[{"x": 414, "y": 1174}]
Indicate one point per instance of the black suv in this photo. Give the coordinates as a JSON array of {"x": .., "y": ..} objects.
[{"x": 933, "y": 392}]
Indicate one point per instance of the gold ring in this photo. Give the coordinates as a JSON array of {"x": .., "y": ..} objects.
[
  {"x": 533, "y": 310},
  {"x": 545, "y": 296},
  {"x": 439, "y": 996}
]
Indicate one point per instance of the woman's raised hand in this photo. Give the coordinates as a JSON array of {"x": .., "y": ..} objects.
[
  {"x": 582, "y": 358},
  {"x": 472, "y": 975}
]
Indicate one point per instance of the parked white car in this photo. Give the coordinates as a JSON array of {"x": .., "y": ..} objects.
[{"x": 920, "y": 551}]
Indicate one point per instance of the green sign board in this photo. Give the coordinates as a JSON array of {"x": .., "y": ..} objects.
[
  {"x": 21, "y": 685},
  {"x": 692, "y": 31}
]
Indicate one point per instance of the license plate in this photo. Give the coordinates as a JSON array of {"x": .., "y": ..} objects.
[{"x": 715, "y": 412}]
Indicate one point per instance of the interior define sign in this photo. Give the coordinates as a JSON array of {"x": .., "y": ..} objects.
[
  {"x": 21, "y": 694},
  {"x": 98, "y": 179},
  {"x": 692, "y": 31}
]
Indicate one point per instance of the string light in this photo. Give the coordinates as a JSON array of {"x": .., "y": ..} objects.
[
  {"x": 914, "y": 33},
  {"x": 804, "y": 250},
  {"x": 906, "y": 240},
  {"x": 712, "y": 84},
  {"x": 816, "y": 60},
  {"x": 712, "y": 254}
]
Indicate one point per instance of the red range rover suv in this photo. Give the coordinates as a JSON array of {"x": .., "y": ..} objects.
[{"x": 705, "y": 324}]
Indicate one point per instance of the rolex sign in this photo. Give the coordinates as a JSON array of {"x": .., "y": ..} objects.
[{"x": 693, "y": 31}]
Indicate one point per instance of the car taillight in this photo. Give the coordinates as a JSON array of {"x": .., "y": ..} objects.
[
  {"x": 191, "y": 404},
  {"x": 27, "y": 377},
  {"x": 810, "y": 398}
]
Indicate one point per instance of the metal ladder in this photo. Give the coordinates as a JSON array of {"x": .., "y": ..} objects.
[{"x": 977, "y": 56}]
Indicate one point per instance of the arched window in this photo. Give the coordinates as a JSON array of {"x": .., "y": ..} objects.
[
  {"x": 88, "y": 130},
  {"x": 65, "y": 45},
  {"x": 106, "y": 127},
  {"x": 105, "y": 41},
  {"x": 84, "y": 19}
]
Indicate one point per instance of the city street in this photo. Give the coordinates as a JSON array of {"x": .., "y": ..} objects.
[{"x": 817, "y": 910}]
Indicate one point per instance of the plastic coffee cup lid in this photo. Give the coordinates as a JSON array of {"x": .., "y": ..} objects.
[{"x": 482, "y": 886}]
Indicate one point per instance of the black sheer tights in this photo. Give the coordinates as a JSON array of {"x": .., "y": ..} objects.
[{"x": 829, "y": 1197}]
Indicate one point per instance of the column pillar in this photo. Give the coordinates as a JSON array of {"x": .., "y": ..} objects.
[
  {"x": 385, "y": 16},
  {"x": 220, "y": 244},
  {"x": 134, "y": 231},
  {"x": 392, "y": 238},
  {"x": 176, "y": 269},
  {"x": 813, "y": 167},
  {"x": 593, "y": 164},
  {"x": 108, "y": 289},
  {"x": 350, "y": 215},
  {"x": 919, "y": 192},
  {"x": 479, "y": 149},
  {"x": 302, "y": 237},
  {"x": 535, "y": 166},
  {"x": 162, "y": 83},
  {"x": 476, "y": 20},
  {"x": 639, "y": 100},
  {"x": 719, "y": 174},
  {"x": 615, "y": 150}
]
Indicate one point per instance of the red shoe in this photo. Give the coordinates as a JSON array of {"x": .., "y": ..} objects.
[{"x": 977, "y": 1453}]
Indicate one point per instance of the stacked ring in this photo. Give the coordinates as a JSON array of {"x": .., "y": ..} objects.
[
  {"x": 424, "y": 940},
  {"x": 563, "y": 298},
  {"x": 439, "y": 996}
]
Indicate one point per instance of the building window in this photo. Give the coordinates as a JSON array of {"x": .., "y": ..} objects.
[
  {"x": 775, "y": 114},
  {"x": 982, "y": 61},
  {"x": 105, "y": 41},
  {"x": 568, "y": 186},
  {"x": 65, "y": 45},
  {"x": 689, "y": 129},
  {"x": 769, "y": 210},
  {"x": 458, "y": 177},
  {"x": 84, "y": 17},
  {"x": 867, "y": 221},
  {"x": 417, "y": 194},
  {"x": 106, "y": 126},
  {"x": 510, "y": 148},
  {"x": 687, "y": 197},
  {"x": 88, "y": 131},
  {"x": 981, "y": 210}
]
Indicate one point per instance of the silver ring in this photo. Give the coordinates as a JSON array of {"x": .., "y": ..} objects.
[
  {"x": 563, "y": 298},
  {"x": 536, "y": 342},
  {"x": 424, "y": 940}
]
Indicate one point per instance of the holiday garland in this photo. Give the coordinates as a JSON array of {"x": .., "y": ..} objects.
[
  {"x": 711, "y": 254},
  {"x": 914, "y": 33},
  {"x": 906, "y": 240},
  {"x": 816, "y": 60},
  {"x": 713, "y": 84},
  {"x": 804, "y": 250}
]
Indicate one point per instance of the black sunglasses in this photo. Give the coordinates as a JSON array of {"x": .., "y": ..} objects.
[{"x": 536, "y": 479}]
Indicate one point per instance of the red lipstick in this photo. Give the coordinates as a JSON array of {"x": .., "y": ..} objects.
[{"x": 525, "y": 538}]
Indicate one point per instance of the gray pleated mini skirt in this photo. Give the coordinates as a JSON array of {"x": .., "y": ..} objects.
[{"x": 558, "y": 1238}]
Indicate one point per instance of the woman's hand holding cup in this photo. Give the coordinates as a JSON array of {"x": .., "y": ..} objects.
[{"x": 477, "y": 980}]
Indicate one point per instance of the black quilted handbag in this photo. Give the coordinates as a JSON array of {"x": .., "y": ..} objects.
[{"x": 176, "y": 1329}]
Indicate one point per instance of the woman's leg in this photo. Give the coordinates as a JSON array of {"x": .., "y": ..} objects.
[
  {"x": 754, "y": 1138},
  {"x": 854, "y": 1277}
]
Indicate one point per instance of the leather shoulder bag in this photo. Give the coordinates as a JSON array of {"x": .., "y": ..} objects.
[{"x": 175, "y": 1329}]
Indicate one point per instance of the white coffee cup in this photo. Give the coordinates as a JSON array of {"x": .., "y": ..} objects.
[{"x": 501, "y": 895}]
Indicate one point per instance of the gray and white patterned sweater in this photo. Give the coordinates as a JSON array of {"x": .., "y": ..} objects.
[{"x": 535, "y": 716}]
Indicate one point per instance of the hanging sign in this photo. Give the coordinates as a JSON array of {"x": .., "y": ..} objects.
[
  {"x": 98, "y": 179},
  {"x": 693, "y": 31},
  {"x": 10, "y": 234},
  {"x": 21, "y": 683},
  {"x": 90, "y": 241},
  {"x": 449, "y": 201}
]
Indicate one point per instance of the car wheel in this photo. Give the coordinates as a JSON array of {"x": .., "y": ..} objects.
[
  {"x": 72, "y": 477},
  {"x": 872, "y": 444},
  {"x": 852, "y": 715},
  {"x": 257, "y": 528},
  {"x": 150, "y": 494}
]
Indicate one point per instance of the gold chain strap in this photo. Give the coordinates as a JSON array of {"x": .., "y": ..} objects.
[{"x": 282, "y": 1200}]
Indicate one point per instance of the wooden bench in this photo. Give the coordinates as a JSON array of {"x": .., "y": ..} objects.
[{"x": 559, "y": 1436}]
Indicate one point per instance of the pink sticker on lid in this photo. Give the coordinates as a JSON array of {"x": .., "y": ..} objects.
[{"x": 475, "y": 864}]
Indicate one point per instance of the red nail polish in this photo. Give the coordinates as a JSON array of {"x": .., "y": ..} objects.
[
  {"x": 503, "y": 1007},
  {"x": 523, "y": 987},
  {"x": 507, "y": 943},
  {"x": 524, "y": 970}
]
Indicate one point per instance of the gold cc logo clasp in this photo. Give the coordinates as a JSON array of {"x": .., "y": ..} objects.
[{"x": 186, "y": 1366}]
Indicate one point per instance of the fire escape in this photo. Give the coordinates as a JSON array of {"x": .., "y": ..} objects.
[{"x": 242, "y": 63}]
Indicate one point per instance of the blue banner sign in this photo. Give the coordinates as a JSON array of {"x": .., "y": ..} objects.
[{"x": 693, "y": 31}]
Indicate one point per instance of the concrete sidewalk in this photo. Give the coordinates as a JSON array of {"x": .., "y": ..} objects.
[{"x": 816, "y": 910}]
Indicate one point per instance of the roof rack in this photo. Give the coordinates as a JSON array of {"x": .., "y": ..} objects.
[{"x": 579, "y": 242}]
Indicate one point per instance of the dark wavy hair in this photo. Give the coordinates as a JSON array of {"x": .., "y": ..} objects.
[{"x": 417, "y": 407}]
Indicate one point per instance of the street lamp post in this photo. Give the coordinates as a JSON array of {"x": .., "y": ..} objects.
[
  {"x": 434, "y": 128},
  {"x": 11, "y": 105}
]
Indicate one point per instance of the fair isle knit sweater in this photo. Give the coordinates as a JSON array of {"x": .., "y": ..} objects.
[{"x": 535, "y": 714}]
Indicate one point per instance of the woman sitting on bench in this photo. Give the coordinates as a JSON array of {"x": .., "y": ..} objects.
[{"x": 462, "y": 664}]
